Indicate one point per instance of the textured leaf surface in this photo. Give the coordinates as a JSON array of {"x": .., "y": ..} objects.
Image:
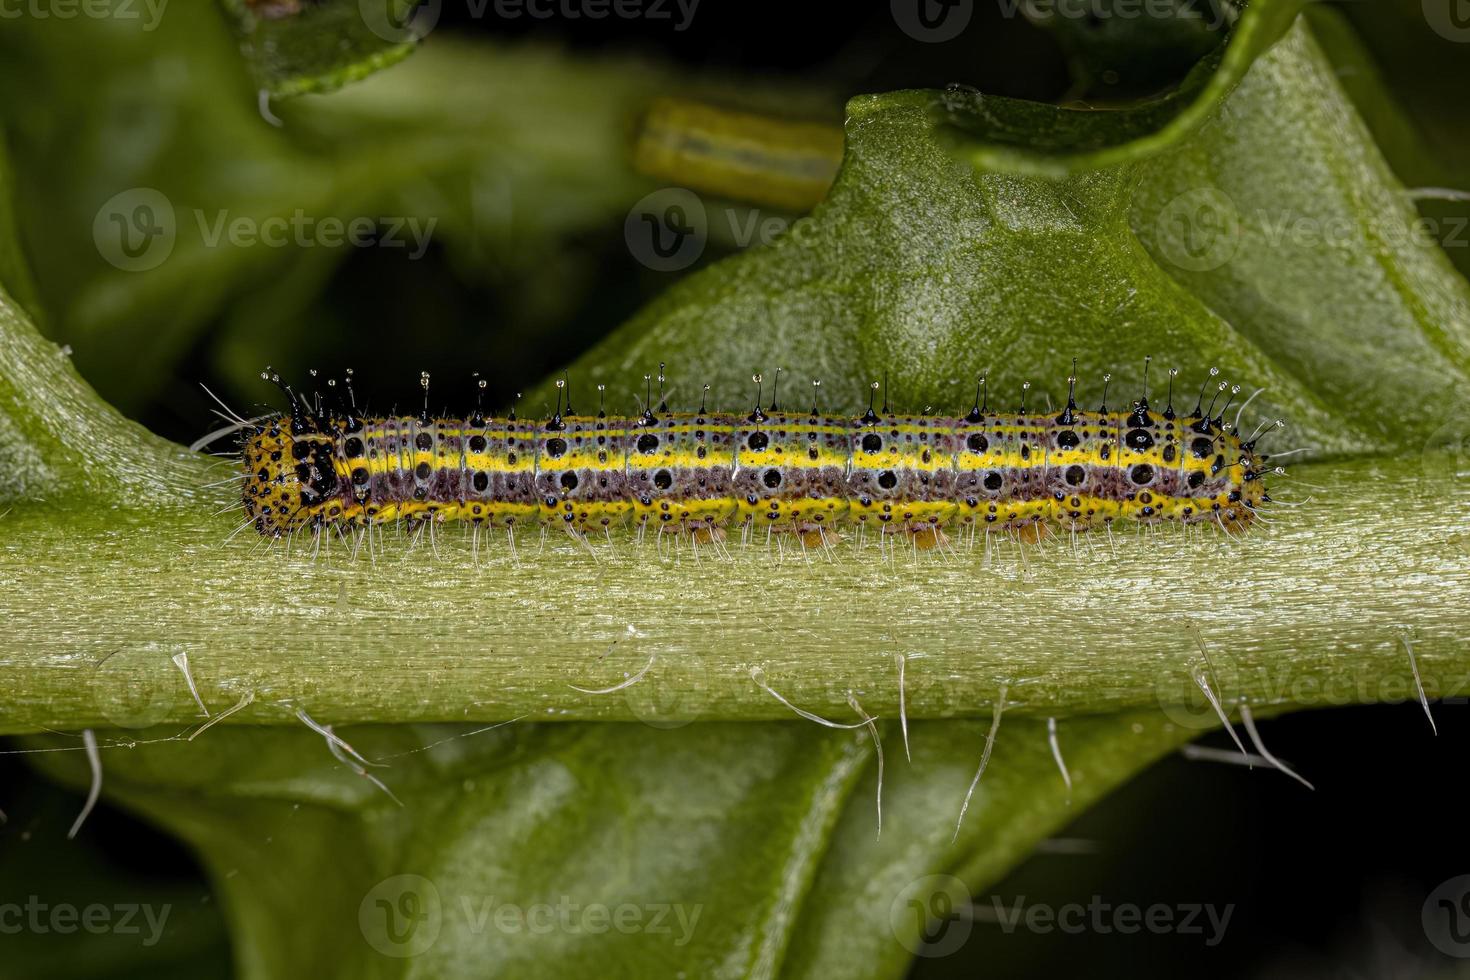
[
  {"x": 1275, "y": 243},
  {"x": 318, "y": 46},
  {"x": 554, "y": 850}
]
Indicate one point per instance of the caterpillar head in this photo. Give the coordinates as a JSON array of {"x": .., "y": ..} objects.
[
  {"x": 1248, "y": 496},
  {"x": 290, "y": 482}
]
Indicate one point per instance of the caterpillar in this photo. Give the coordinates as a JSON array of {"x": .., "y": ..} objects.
[{"x": 806, "y": 473}]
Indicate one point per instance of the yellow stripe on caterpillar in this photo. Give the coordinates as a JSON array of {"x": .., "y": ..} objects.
[{"x": 807, "y": 473}]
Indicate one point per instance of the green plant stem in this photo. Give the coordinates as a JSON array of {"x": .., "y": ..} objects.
[{"x": 1311, "y": 610}]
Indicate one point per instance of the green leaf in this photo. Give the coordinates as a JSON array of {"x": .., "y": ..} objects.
[
  {"x": 916, "y": 267},
  {"x": 56, "y": 439},
  {"x": 164, "y": 133},
  {"x": 1412, "y": 47},
  {"x": 1410, "y": 120},
  {"x": 875, "y": 897},
  {"x": 294, "y": 47},
  {"x": 557, "y": 850},
  {"x": 1116, "y": 50},
  {"x": 1315, "y": 256},
  {"x": 133, "y": 919},
  {"x": 1003, "y": 134},
  {"x": 14, "y": 273},
  {"x": 115, "y": 160}
]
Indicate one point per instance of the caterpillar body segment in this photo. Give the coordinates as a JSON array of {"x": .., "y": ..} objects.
[{"x": 809, "y": 474}]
